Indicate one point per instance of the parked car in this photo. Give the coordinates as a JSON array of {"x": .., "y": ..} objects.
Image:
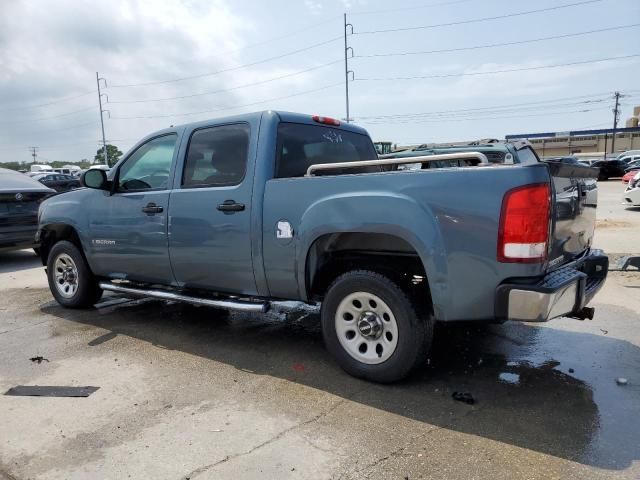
[
  {"x": 627, "y": 154},
  {"x": 609, "y": 168},
  {"x": 632, "y": 164},
  {"x": 20, "y": 197},
  {"x": 631, "y": 196},
  {"x": 35, "y": 169},
  {"x": 570, "y": 160},
  {"x": 58, "y": 181},
  {"x": 242, "y": 211},
  {"x": 629, "y": 175},
  {"x": 497, "y": 153}
]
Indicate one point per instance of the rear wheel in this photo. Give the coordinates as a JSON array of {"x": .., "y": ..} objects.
[
  {"x": 372, "y": 328},
  {"x": 70, "y": 280}
]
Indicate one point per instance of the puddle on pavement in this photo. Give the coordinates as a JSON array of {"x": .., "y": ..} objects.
[{"x": 517, "y": 373}]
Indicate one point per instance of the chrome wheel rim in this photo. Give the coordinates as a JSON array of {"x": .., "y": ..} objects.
[
  {"x": 366, "y": 328},
  {"x": 65, "y": 274}
]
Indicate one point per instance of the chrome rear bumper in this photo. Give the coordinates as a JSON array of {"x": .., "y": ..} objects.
[{"x": 563, "y": 292}]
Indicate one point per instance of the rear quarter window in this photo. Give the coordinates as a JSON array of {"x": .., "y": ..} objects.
[{"x": 299, "y": 146}]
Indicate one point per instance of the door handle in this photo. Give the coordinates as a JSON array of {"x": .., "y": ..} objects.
[
  {"x": 230, "y": 206},
  {"x": 152, "y": 209}
]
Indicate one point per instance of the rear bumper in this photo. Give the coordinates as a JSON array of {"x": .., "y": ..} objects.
[{"x": 563, "y": 292}]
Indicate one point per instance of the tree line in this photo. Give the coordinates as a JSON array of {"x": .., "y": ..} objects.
[{"x": 113, "y": 153}]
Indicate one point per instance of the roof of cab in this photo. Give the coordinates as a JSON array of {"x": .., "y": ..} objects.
[{"x": 276, "y": 114}]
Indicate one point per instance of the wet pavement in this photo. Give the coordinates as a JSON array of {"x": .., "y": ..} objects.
[{"x": 190, "y": 392}]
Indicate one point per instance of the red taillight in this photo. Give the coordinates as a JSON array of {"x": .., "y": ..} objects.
[
  {"x": 524, "y": 224},
  {"x": 326, "y": 120}
]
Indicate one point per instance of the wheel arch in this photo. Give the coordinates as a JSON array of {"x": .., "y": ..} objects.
[
  {"x": 332, "y": 254},
  {"x": 52, "y": 233}
]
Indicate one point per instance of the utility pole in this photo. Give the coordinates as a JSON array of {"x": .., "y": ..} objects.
[
  {"x": 34, "y": 153},
  {"x": 104, "y": 141},
  {"x": 346, "y": 65},
  {"x": 616, "y": 111}
]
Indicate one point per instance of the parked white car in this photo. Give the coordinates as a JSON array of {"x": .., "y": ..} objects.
[{"x": 631, "y": 196}]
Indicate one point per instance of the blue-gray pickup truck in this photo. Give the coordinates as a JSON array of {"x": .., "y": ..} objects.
[{"x": 240, "y": 212}]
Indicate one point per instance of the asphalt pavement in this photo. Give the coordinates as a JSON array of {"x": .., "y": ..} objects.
[{"x": 188, "y": 392}]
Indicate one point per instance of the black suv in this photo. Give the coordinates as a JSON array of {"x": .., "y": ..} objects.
[{"x": 609, "y": 168}]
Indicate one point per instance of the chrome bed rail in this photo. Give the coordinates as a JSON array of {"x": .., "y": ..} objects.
[{"x": 396, "y": 161}]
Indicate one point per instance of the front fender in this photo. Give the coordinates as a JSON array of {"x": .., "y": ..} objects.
[
  {"x": 378, "y": 212},
  {"x": 70, "y": 209}
]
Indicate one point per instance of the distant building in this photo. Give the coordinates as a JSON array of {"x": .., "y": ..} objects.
[
  {"x": 585, "y": 141},
  {"x": 581, "y": 141}
]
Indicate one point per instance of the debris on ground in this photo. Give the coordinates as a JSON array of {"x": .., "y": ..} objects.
[
  {"x": 298, "y": 367},
  {"x": 39, "y": 359},
  {"x": 465, "y": 397},
  {"x": 50, "y": 391},
  {"x": 571, "y": 370},
  {"x": 621, "y": 381},
  {"x": 604, "y": 331}
]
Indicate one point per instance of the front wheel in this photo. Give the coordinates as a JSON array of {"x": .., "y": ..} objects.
[
  {"x": 372, "y": 328},
  {"x": 70, "y": 280}
]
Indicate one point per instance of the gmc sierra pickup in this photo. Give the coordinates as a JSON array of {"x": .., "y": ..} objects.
[{"x": 242, "y": 211}]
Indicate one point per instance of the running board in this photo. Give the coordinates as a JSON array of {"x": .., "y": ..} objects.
[{"x": 239, "y": 305}]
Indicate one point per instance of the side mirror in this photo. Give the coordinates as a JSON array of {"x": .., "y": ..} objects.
[{"x": 94, "y": 178}]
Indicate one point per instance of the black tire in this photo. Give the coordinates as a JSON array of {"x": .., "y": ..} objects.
[
  {"x": 87, "y": 291},
  {"x": 414, "y": 329}
]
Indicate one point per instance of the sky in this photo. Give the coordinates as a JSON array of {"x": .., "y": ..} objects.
[{"x": 177, "y": 61}]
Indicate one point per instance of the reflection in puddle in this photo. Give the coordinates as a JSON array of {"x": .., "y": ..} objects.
[{"x": 512, "y": 378}]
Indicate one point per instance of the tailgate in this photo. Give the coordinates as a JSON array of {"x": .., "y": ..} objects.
[{"x": 575, "y": 193}]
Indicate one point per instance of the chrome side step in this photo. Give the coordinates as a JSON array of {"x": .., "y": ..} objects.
[{"x": 239, "y": 305}]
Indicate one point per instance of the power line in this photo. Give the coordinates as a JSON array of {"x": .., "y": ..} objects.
[
  {"x": 48, "y": 118},
  {"x": 230, "y": 69},
  {"x": 492, "y": 45},
  {"x": 562, "y": 99},
  {"x": 480, "y": 117},
  {"x": 501, "y": 71},
  {"x": 228, "y": 108},
  {"x": 477, "y": 20},
  {"x": 53, "y": 102},
  {"x": 404, "y": 9},
  {"x": 237, "y": 87},
  {"x": 69, "y": 127},
  {"x": 287, "y": 35},
  {"x": 34, "y": 153},
  {"x": 485, "y": 110}
]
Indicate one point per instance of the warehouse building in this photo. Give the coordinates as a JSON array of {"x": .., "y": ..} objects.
[
  {"x": 553, "y": 144},
  {"x": 550, "y": 144}
]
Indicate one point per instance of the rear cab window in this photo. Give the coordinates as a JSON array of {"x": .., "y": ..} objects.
[
  {"x": 299, "y": 146},
  {"x": 526, "y": 156}
]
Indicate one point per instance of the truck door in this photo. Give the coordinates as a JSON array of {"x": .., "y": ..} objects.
[
  {"x": 210, "y": 212},
  {"x": 129, "y": 228}
]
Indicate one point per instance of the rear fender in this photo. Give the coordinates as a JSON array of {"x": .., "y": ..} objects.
[{"x": 360, "y": 213}]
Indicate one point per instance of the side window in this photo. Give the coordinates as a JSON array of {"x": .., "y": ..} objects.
[
  {"x": 217, "y": 156},
  {"x": 148, "y": 167}
]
